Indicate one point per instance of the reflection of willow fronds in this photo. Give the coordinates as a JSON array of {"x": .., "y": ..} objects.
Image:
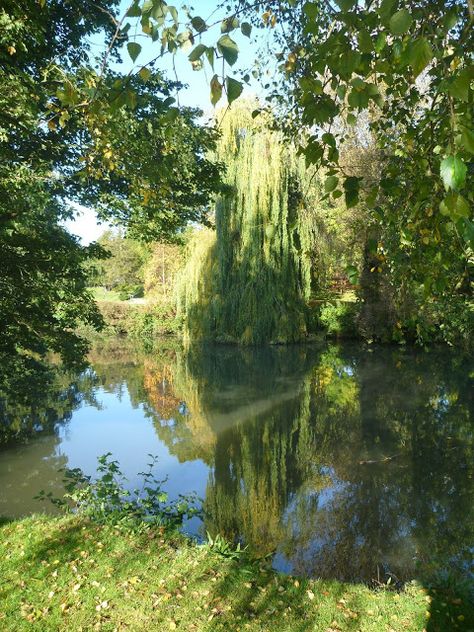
[
  {"x": 192, "y": 390},
  {"x": 176, "y": 399},
  {"x": 260, "y": 465}
]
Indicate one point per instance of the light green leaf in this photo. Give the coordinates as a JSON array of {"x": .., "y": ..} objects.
[
  {"x": 311, "y": 9},
  {"x": 380, "y": 42},
  {"x": 145, "y": 74},
  {"x": 131, "y": 99},
  {"x": 134, "y": 50},
  {"x": 185, "y": 40},
  {"x": 467, "y": 140},
  {"x": 400, "y": 22},
  {"x": 459, "y": 87},
  {"x": 216, "y": 90},
  {"x": 308, "y": 84},
  {"x": 174, "y": 14},
  {"x": 351, "y": 119},
  {"x": 454, "y": 206},
  {"x": 229, "y": 24},
  {"x": 197, "y": 52},
  {"x": 358, "y": 84},
  {"x": 134, "y": 11},
  {"x": 158, "y": 12},
  {"x": 453, "y": 173},
  {"x": 420, "y": 54},
  {"x": 346, "y": 5},
  {"x": 198, "y": 24},
  {"x": 234, "y": 89},
  {"x": 228, "y": 49},
  {"x": 246, "y": 29},
  {"x": 210, "y": 57},
  {"x": 331, "y": 183}
]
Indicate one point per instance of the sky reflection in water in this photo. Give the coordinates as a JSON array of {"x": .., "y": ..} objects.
[{"x": 341, "y": 461}]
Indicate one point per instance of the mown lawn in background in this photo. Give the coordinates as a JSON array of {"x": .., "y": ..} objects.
[
  {"x": 72, "y": 575},
  {"x": 101, "y": 294}
]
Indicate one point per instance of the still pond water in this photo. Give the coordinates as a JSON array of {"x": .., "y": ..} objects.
[{"x": 339, "y": 461}]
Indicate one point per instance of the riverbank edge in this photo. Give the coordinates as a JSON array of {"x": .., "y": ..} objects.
[
  {"x": 69, "y": 573},
  {"x": 333, "y": 320}
]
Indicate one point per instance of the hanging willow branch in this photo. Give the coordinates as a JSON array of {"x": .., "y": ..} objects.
[{"x": 249, "y": 281}]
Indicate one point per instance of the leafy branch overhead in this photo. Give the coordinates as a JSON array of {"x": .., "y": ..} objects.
[
  {"x": 390, "y": 58},
  {"x": 401, "y": 72}
]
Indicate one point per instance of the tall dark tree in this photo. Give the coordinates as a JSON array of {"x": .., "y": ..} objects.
[{"x": 71, "y": 130}]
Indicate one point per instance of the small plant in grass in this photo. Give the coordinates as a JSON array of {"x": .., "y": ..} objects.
[
  {"x": 106, "y": 499},
  {"x": 221, "y": 546}
]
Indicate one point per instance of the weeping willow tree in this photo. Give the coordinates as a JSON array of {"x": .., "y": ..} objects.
[{"x": 249, "y": 280}]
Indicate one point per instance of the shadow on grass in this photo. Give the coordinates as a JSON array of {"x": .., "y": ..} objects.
[
  {"x": 450, "y": 609},
  {"x": 220, "y": 593}
]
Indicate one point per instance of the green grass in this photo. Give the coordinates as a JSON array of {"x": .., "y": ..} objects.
[
  {"x": 70, "y": 574},
  {"x": 101, "y": 294}
]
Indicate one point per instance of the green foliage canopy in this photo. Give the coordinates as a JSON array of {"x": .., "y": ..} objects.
[
  {"x": 124, "y": 268},
  {"x": 72, "y": 130}
]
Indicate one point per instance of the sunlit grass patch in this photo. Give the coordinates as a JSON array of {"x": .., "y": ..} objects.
[
  {"x": 71, "y": 574},
  {"x": 101, "y": 294}
]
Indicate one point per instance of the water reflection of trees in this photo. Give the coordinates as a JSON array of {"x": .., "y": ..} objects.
[
  {"x": 349, "y": 463},
  {"x": 29, "y": 443},
  {"x": 36, "y": 406}
]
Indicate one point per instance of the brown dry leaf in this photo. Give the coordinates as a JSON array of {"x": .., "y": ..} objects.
[{"x": 310, "y": 594}]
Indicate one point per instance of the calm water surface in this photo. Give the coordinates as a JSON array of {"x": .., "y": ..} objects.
[{"x": 341, "y": 461}]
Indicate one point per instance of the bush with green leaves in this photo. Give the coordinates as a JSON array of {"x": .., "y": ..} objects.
[
  {"x": 128, "y": 291},
  {"x": 338, "y": 319},
  {"x": 106, "y": 498},
  {"x": 153, "y": 322}
]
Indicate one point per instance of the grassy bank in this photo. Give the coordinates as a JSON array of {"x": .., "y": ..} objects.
[{"x": 72, "y": 574}]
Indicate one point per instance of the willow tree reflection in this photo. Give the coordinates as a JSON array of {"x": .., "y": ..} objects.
[{"x": 348, "y": 463}]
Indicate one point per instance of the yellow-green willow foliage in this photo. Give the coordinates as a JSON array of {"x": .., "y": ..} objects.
[{"x": 250, "y": 280}]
